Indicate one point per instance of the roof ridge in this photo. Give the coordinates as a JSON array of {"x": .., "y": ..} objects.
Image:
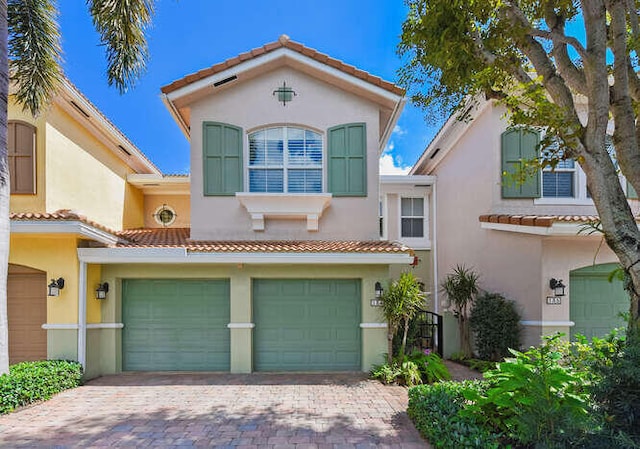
[{"x": 283, "y": 41}]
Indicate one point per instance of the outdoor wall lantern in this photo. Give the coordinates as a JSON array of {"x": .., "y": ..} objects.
[
  {"x": 102, "y": 290},
  {"x": 379, "y": 290},
  {"x": 557, "y": 286},
  {"x": 55, "y": 286}
]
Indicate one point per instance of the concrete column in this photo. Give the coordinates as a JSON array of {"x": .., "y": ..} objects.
[{"x": 241, "y": 324}]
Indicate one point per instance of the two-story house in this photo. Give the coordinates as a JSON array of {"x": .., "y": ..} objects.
[
  {"x": 524, "y": 239},
  {"x": 266, "y": 258}
]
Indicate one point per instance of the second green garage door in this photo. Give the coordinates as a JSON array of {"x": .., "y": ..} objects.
[
  {"x": 595, "y": 303},
  {"x": 175, "y": 325},
  {"x": 307, "y": 324}
]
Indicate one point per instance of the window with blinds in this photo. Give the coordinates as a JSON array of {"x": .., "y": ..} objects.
[
  {"x": 412, "y": 217},
  {"x": 285, "y": 159}
]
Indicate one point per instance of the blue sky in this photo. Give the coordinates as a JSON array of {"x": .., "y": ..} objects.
[{"x": 188, "y": 35}]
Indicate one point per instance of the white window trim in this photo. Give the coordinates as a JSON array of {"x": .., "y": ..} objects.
[
  {"x": 285, "y": 167},
  {"x": 415, "y": 242}
]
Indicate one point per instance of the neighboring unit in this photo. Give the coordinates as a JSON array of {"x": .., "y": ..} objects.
[
  {"x": 265, "y": 258},
  {"x": 522, "y": 238}
]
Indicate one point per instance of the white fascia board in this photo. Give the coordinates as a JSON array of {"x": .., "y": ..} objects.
[
  {"x": 391, "y": 124},
  {"x": 272, "y": 56},
  {"x": 176, "y": 116},
  {"x": 408, "y": 179},
  {"x": 63, "y": 227},
  {"x": 556, "y": 229},
  {"x": 536, "y": 230},
  {"x": 180, "y": 255}
]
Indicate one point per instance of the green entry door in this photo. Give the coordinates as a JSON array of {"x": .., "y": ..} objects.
[
  {"x": 306, "y": 325},
  {"x": 595, "y": 303},
  {"x": 175, "y": 325}
]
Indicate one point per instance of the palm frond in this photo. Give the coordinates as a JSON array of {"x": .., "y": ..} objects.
[
  {"x": 35, "y": 53},
  {"x": 121, "y": 25}
]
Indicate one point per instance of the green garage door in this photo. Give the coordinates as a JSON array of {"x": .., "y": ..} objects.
[
  {"x": 306, "y": 325},
  {"x": 595, "y": 303},
  {"x": 175, "y": 325}
]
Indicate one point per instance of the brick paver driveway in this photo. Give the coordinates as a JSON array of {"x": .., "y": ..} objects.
[{"x": 218, "y": 410}]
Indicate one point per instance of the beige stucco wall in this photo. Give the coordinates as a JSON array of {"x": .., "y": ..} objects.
[
  {"x": 318, "y": 106},
  {"x": 108, "y": 344},
  {"x": 180, "y": 204}
]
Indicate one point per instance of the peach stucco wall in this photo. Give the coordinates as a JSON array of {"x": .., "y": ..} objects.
[{"x": 318, "y": 106}]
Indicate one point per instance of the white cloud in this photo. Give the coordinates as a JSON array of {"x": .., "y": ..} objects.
[
  {"x": 399, "y": 131},
  {"x": 391, "y": 166}
]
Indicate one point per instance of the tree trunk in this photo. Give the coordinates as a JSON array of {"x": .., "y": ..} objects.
[
  {"x": 4, "y": 189},
  {"x": 390, "y": 334},
  {"x": 404, "y": 338}
]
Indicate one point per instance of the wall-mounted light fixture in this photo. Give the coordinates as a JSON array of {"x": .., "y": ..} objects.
[
  {"x": 379, "y": 290},
  {"x": 557, "y": 286},
  {"x": 102, "y": 290},
  {"x": 55, "y": 286}
]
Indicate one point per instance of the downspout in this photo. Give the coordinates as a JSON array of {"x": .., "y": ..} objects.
[
  {"x": 434, "y": 246},
  {"x": 82, "y": 315}
]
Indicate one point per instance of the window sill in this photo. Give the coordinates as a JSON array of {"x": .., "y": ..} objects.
[
  {"x": 564, "y": 201},
  {"x": 418, "y": 243},
  {"x": 309, "y": 206}
]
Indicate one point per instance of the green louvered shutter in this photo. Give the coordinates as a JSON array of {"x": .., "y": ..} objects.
[
  {"x": 222, "y": 159},
  {"x": 347, "y": 161},
  {"x": 519, "y": 145}
]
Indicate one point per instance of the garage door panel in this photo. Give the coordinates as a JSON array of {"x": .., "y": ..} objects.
[
  {"x": 177, "y": 325},
  {"x": 595, "y": 303},
  {"x": 306, "y": 325}
]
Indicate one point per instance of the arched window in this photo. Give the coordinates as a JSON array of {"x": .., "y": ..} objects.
[
  {"x": 21, "y": 147},
  {"x": 285, "y": 159}
]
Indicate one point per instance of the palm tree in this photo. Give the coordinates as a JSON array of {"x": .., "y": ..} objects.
[
  {"x": 461, "y": 287},
  {"x": 400, "y": 302},
  {"x": 30, "y": 48}
]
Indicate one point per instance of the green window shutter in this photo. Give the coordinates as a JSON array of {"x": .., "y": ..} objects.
[
  {"x": 222, "y": 159},
  {"x": 631, "y": 192},
  {"x": 347, "y": 160},
  {"x": 519, "y": 145}
]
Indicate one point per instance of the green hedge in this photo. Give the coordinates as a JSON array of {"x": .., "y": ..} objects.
[
  {"x": 29, "y": 382},
  {"x": 436, "y": 412}
]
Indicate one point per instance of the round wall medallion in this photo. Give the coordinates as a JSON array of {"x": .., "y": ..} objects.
[{"x": 165, "y": 215}]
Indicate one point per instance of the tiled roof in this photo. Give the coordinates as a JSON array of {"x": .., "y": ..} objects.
[
  {"x": 283, "y": 42},
  {"x": 536, "y": 220},
  {"x": 59, "y": 215},
  {"x": 179, "y": 238}
]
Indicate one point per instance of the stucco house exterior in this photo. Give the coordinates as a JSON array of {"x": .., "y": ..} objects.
[
  {"x": 264, "y": 258},
  {"x": 520, "y": 237}
]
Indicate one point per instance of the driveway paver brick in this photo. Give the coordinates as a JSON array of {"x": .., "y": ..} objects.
[{"x": 257, "y": 411}]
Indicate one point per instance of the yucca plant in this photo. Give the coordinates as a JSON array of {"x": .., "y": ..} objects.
[
  {"x": 461, "y": 287},
  {"x": 401, "y": 300}
]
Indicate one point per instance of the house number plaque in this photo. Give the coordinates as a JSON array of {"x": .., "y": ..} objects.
[{"x": 554, "y": 300}]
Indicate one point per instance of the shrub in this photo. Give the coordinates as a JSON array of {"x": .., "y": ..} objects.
[
  {"x": 432, "y": 368},
  {"x": 618, "y": 391},
  {"x": 436, "y": 412},
  {"x": 495, "y": 323},
  {"x": 29, "y": 382},
  {"x": 402, "y": 373},
  {"x": 534, "y": 398}
]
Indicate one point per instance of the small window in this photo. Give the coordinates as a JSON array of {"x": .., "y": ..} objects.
[
  {"x": 559, "y": 182},
  {"x": 285, "y": 160},
  {"x": 412, "y": 217},
  {"x": 21, "y": 157},
  {"x": 165, "y": 215}
]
